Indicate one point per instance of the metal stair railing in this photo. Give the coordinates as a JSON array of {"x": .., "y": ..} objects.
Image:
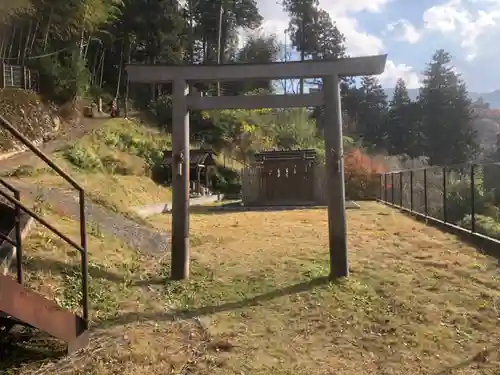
[
  {"x": 18, "y": 242},
  {"x": 19, "y": 206}
]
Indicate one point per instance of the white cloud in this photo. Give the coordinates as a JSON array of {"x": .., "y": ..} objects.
[
  {"x": 346, "y": 6},
  {"x": 455, "y": 18},
  {"x": 404, "y": 31},
  {"x": 395, "y": 71},
  {"x": 359, "y": 42}
]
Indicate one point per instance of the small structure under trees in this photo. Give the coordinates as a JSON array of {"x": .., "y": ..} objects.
[
  {"x": 280, "y": 178},
  {"x": 201, "y": 168}
]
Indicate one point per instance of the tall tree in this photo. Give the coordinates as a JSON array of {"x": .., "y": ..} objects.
[
  {"x": 372, "y": 112},
  {"x": 236, "y": 14},
  {"x": 446, "y": 114},
  {"x": 257, "y": 49},
  {"x": 402, "y": 127},
  {"x": 303, "y": 14}
]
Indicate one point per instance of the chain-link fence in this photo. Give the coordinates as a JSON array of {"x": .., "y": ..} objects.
[{"x": 465, "y": 195}]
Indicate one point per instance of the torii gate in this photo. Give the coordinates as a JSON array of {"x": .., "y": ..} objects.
[{"x": 183, "y": 75}]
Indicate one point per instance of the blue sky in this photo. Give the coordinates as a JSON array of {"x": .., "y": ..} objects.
[{"x": 409, "y": 31}]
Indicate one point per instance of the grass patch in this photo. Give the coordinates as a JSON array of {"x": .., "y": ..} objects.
[
  {"x": 418, "y": 301},
  {"x": 52, "y": 268}
]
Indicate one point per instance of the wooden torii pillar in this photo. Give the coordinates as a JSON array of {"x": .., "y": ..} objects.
[{"x": 330, "y": 70}]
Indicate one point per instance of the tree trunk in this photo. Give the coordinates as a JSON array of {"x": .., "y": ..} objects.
[
  {"x": 2, "y": 46},
  {"x": 87, "y": 48},
  {"x": 120, "y": 68},
  {"x": 191, "y": 32},
  {"x": 102, "y": 67},
  {"x": 19, "y": 45},
  {"x": 219, "y": 40},
  {"x": 95, "y": 65},
  {"x": 11, "y": 42},
  {"x": 33, "y": 39},
  {"x": 46, "y": 38},
  {"x": 25, "y": 49}
]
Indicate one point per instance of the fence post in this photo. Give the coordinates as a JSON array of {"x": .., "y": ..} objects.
[
  {"x": 2, "y": 75},
  {"x": 425, "y": 192},
  {"x": 445, "y": 218},
  {"x": 411, "y": 190},
  {"x": 472, "y": 198},
  {"x": 385, "y": 187},
  {"x": 380, "y": 185},
  {"x": 401, "y": 188},
  {"x": 392, "y": 187},
  {"x": 24, "y": 75}
]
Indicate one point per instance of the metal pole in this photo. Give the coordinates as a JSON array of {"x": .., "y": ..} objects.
[
  {"x": 19, "y": 244},
  {"x": 411, "y": 190},
  {"x": 401, "y": 188},
  {"x": 445, "y": 216},
  {"x": 425, "y": 192},
  {"x": 392, "y": 187},
  {"x": 385, "y": 187},
  {"x": 335, "y": 179},
  {"x": 473, "y": 197},
  {"x": 84, "y": 258},
  {"x": 380, "y": 182},
  {"x": 180, "y": 182}
]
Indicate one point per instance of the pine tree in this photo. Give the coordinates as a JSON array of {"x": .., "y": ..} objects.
[
  {"x": 257, "y": 49},
  {"x": 371, "y": 113},
  {"x": 402, "y": 127},
  {"x": 303, "y": 16},
  {"x": 447, "y": 130}
]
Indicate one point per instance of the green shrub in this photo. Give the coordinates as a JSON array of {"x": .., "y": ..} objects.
[
  {"x": 149, "y": 149},
  {"x": 118, "y": 166},
  {"x": 162, "y": 108},
  {"x": 484, "y": 224},
  {"x": 227, "y": 181},
  {"x": 459, "y": 203},
  {"x": 83, "y": 157},
  {"x": 63, "y": 77}
]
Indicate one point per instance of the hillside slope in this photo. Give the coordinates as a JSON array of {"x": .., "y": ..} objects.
[{"x": 112, "y": 161}]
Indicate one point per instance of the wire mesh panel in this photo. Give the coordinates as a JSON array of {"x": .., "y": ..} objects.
[
  {"x": 406, "y": 189},
  {"x": 396, "y": 188},
  {"x": 435, "y": 194},
  {"x": 459, "y": 203},
  {"x": 389, "y": 187},
  {"x": 380, "y": 187},
  {"x": 486, "y": 200},
  {"x": 419, "y": 191},
  {"x": 464, "y": 195}
]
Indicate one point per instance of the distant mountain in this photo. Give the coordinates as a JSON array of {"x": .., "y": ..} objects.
[{"x": 490, "y": 97}]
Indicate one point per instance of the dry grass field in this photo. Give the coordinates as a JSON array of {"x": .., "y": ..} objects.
[{"x": 418, "y": 301}]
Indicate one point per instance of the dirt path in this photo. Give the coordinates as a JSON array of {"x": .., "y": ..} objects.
[
  {"x": 134, "y": 234},
  {"x": 66, "y": 135}
]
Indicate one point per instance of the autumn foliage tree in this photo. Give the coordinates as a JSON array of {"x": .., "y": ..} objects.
[{"x": 361, "y": 175}]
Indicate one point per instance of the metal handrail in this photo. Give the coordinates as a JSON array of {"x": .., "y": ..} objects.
[
  {"x": 42, "y": 221},
  {"x": 8, "y": 186},
  {"x": 12, "y": 130},
  {"x": 83, "y": 230},
  {"x": 18, "y": 245},
  {"x": 7, "y": 238}
]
